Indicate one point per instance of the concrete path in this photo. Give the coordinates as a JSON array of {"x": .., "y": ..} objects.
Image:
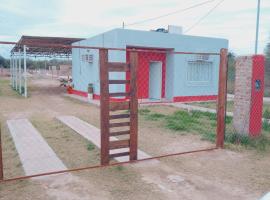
[
  {"x": 34, "y": 152},
  {"x": 265, "y": 99},
  {"x": 83, "y": 99},
  {"x": 92, "y": 134},
  {"x": 37, "y": 157}
]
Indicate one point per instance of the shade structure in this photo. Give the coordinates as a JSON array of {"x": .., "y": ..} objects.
[{"x": 38, "y": 46}]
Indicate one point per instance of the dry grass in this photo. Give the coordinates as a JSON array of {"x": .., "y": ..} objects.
[{"x": 208, "y": 175}]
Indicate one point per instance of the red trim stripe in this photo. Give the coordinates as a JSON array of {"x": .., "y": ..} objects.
[{"x": 194, "y": 98}]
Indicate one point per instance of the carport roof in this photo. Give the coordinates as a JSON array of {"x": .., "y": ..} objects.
[{"x": 38, "y": 46}]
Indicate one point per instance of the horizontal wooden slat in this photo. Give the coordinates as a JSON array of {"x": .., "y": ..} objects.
[
  {"x": 119, "y": 144},
  {"x": 119, "y": 116},
  {"x": 119, "y": 105},
  {"x": 118, "y": 67},
  {"x": 119, "y": 81},
  {"x": 119, "y": 154},
  {"x": 119, "y": 133},
  {"x": 120, "y": 124},
  {"x": 119, "y": 94}
]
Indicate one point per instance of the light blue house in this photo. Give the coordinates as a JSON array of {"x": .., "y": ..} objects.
[{"x": 170, "y": 76}]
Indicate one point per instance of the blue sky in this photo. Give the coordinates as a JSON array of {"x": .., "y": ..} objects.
[{"x": 232, "y": 19}]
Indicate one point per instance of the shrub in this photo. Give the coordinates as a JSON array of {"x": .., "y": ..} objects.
[
  {"x": 90, "y": 147},
  {"x": 266, "y": 114}
]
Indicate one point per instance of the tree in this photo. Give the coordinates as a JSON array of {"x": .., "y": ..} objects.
[
  {"x": 267, "y": 69},
  {"x": 4, "y": 62}
]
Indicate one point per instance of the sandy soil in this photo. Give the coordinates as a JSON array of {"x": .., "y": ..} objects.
[{"x": 219, "y": 174}]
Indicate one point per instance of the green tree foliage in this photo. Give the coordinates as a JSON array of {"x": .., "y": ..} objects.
[
  {"x": 267, "y": 69},
  {"x": 36, "y": 64},
  {"x": 4, "y": 62}
]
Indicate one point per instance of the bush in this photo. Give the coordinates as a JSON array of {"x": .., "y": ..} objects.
[
  {"x": 266, "y": 114},
  {"x": 90, "y": 147}
]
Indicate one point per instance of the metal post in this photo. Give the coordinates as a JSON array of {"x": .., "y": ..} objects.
[
  {"x": 10, "y": 70},
  {"x": 13, "y": 72},
  {"x": 257, "y": 26},
  {"x": 25, "y": 73},
  {"x": 20, "y": 72},
  {"x": 16, "y": 71},
  {"x": 1, "y": 159}
]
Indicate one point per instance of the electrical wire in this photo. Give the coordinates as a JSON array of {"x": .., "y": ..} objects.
[
  {"x": 204, "y": 16},
  {"x": 168, "y": 14}
]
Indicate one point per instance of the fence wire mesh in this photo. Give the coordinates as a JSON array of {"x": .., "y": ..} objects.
[{"x": 177, "y": 93}]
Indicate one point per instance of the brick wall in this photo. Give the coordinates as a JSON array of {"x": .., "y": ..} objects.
[{"x": 242, "y": 90}]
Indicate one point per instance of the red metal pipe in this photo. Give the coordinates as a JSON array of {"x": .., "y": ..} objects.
[
  {"x": 97, "y": 48},
  {"x": 102, "y": 166}
]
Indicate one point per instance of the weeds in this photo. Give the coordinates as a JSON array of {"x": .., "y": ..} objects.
[
  {"x": 154, "y": 116},
  {"x": 266, "y": 125},
  {"x": 266, "y": 114},
  {"x": 180, "y": 121},
  {"x": 144, "y": 111},
  {"x": 90, "y": 147},
  {"x": 204, "y": 124}
]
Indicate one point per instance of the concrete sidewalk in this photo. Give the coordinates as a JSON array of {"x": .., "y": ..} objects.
[
  {"x": 34, "y": 152},
  {"x": 92, "y": 134},
  {"x": 265, "y": 99}
]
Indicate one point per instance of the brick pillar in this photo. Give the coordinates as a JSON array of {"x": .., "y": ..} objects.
[{"x": 248, "y": 100}]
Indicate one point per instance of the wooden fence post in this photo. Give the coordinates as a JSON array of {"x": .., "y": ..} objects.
[
  {"x": 133, "y": 106},
  {"x": 104, "y": 106},
  {"x": 222, "y": 98}
]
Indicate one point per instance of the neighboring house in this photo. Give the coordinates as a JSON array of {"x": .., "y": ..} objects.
[{"x": 174, "y": 77}]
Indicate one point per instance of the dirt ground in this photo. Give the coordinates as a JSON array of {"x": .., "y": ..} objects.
[{"x": 218, "y": 175}]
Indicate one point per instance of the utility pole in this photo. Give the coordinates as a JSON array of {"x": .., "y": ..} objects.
[{"x": 257, "y": 26}]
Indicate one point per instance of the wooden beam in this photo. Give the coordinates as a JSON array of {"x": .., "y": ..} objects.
[
  {"x": 104, "y": 106},
  {"x": 119, "y": 133},
  {"x": 114, "y": 106},
  {"x": 119, "y": 154},
  {"x": 119, "y": 81},
  {"x": 119, "y": 116},
  {"x": 133, "y": 106},
  {"x": 119, "y": 124},
  {"x": 118, "y": 67},
  {"x": 118, "y": 144},
  {"x": 119, "y": 94},
  {"x": 222, "y": 98}
]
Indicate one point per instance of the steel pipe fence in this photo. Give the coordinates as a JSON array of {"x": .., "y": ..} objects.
[{"x": 181, "y": 98}]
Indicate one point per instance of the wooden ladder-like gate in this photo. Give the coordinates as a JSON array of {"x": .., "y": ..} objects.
[{"x": 107, "y": 107}]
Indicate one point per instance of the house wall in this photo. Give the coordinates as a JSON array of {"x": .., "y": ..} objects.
[{"x": 176, "y": 83}]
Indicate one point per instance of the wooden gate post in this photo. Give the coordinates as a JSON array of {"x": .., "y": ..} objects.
[
  {"x": 133, "y": 106},
  {"x": 222, "y": 98},
  {"x": 109, "y": 109},
  {"x": 104, "y": 106}
]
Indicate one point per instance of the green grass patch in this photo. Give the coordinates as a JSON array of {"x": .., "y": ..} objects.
[
  {"x": 181, "y": 121},
  {"x": 204, "y": 124},
  {"x": 144, "y": 111},
  {"x": 90, "y": 147},
  {"x": 154, "y": 116},
  {"x": 266, "y": 114},
  {"x": 261, "y": 143},
  {"x": 266, "y": 125}
]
